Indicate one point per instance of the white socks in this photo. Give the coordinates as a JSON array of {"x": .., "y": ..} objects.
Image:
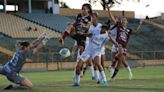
[
  {"x": 77, "y": 79},
  {"x": 130, "y": 72},
  {"x": 92, "y": 71},
  {"x": 97, "y": 75},
  {"x": 103, "y": 76}
]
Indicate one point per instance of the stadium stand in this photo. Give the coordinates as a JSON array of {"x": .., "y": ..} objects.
[
  {"x": 54, "y": 22},
  {"x": 7, "y": 42},
  {"x": 16, "y": 27}
]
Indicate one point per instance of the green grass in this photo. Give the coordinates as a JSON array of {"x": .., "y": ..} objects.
[{"x": 149, "y": 79}]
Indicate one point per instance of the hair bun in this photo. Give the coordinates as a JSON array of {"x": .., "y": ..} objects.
[{"x": 24, "y": 43}]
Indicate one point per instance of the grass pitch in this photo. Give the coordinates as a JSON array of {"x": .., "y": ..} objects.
[{"x": 148, "y": 79}]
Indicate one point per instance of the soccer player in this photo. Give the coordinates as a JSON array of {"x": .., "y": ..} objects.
[
  {"x": 121, "y": 33},
  {"x": 88, "y": 64},
  {"x": 13, "y": 67},
  {"x": 95, "y": 29},
  {"x": 78, "y": 29},
  {"x": 93, "y": 50}
]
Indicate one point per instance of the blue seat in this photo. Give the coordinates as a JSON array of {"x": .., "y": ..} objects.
[{"x": 55, "y": 22}]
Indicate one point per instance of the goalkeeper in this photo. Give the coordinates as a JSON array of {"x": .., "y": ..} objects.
[{"x": 12, "y": 68}]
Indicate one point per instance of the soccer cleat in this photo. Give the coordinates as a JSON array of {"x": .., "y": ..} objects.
[
  {"x": 93, "y": 78},
  {"x": 104, "y": 83},
  {"x": 98, "y": 82},
  {"x": 76, "y": 85},
  {"x": 130, "y": 76},
  {"x": 8, "y": 87}
]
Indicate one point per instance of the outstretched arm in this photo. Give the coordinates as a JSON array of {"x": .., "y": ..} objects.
[
  {"x": 37, "y": 49},
  {"x": 111, "y": 17},
  {"x": 154, "y": 24},
  {"x": 149, "y": 22},
  {"x": 139, "y": 26},
  {"x": 36, "y": 42},
  {"x": 40, "y": 42}
]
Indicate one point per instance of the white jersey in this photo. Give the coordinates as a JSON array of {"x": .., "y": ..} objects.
[
  {"x": 98, "y": 41},
  {"x": 95, "y": 46},
  {"x": 95, "y": 30}
]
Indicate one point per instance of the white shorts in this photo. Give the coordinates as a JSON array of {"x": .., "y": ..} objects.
[
  {"x": 103, "y": 51},
  {"x": 89, "y": 53},
  {"x": 114, "y": 49}
]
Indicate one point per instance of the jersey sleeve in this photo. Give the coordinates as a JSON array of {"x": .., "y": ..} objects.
[
  {"x": 29, "y": 53},
  {"x": 77, "y": 20}
]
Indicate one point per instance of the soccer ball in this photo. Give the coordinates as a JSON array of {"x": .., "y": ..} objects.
[{"x": 65, "y": 52}]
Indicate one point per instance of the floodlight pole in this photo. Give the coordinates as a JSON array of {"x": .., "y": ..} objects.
[
  {"x": 29, "y": 6},
  {"x": 4, "y": 5}
]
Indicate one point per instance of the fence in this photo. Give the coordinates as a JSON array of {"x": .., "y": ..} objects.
[
  {"x": 146, "y": 55},
  {"x": 53, "y": 61}
]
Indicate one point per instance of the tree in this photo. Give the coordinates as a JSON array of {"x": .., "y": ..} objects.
[
  {"x": 104, "y": 2},
  {"x": 63, "y": 5}
]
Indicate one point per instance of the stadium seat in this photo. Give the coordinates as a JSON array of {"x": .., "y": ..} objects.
[
  {"x": 55, "y": 22},
  {"x": 17, "y": 27}
]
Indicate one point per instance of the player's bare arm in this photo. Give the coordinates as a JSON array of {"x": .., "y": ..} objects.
[{"x": 111, "y": 16}]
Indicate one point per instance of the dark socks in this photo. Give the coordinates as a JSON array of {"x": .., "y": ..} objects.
[
  {"x": 115, "y": 73},
  {"x": 84, "y": 70}
]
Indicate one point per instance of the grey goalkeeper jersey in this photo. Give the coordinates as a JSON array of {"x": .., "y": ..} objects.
[{"x": 16, "y": 63}]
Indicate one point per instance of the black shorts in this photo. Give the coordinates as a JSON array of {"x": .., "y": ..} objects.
[{"x": 80, "y": 39}]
